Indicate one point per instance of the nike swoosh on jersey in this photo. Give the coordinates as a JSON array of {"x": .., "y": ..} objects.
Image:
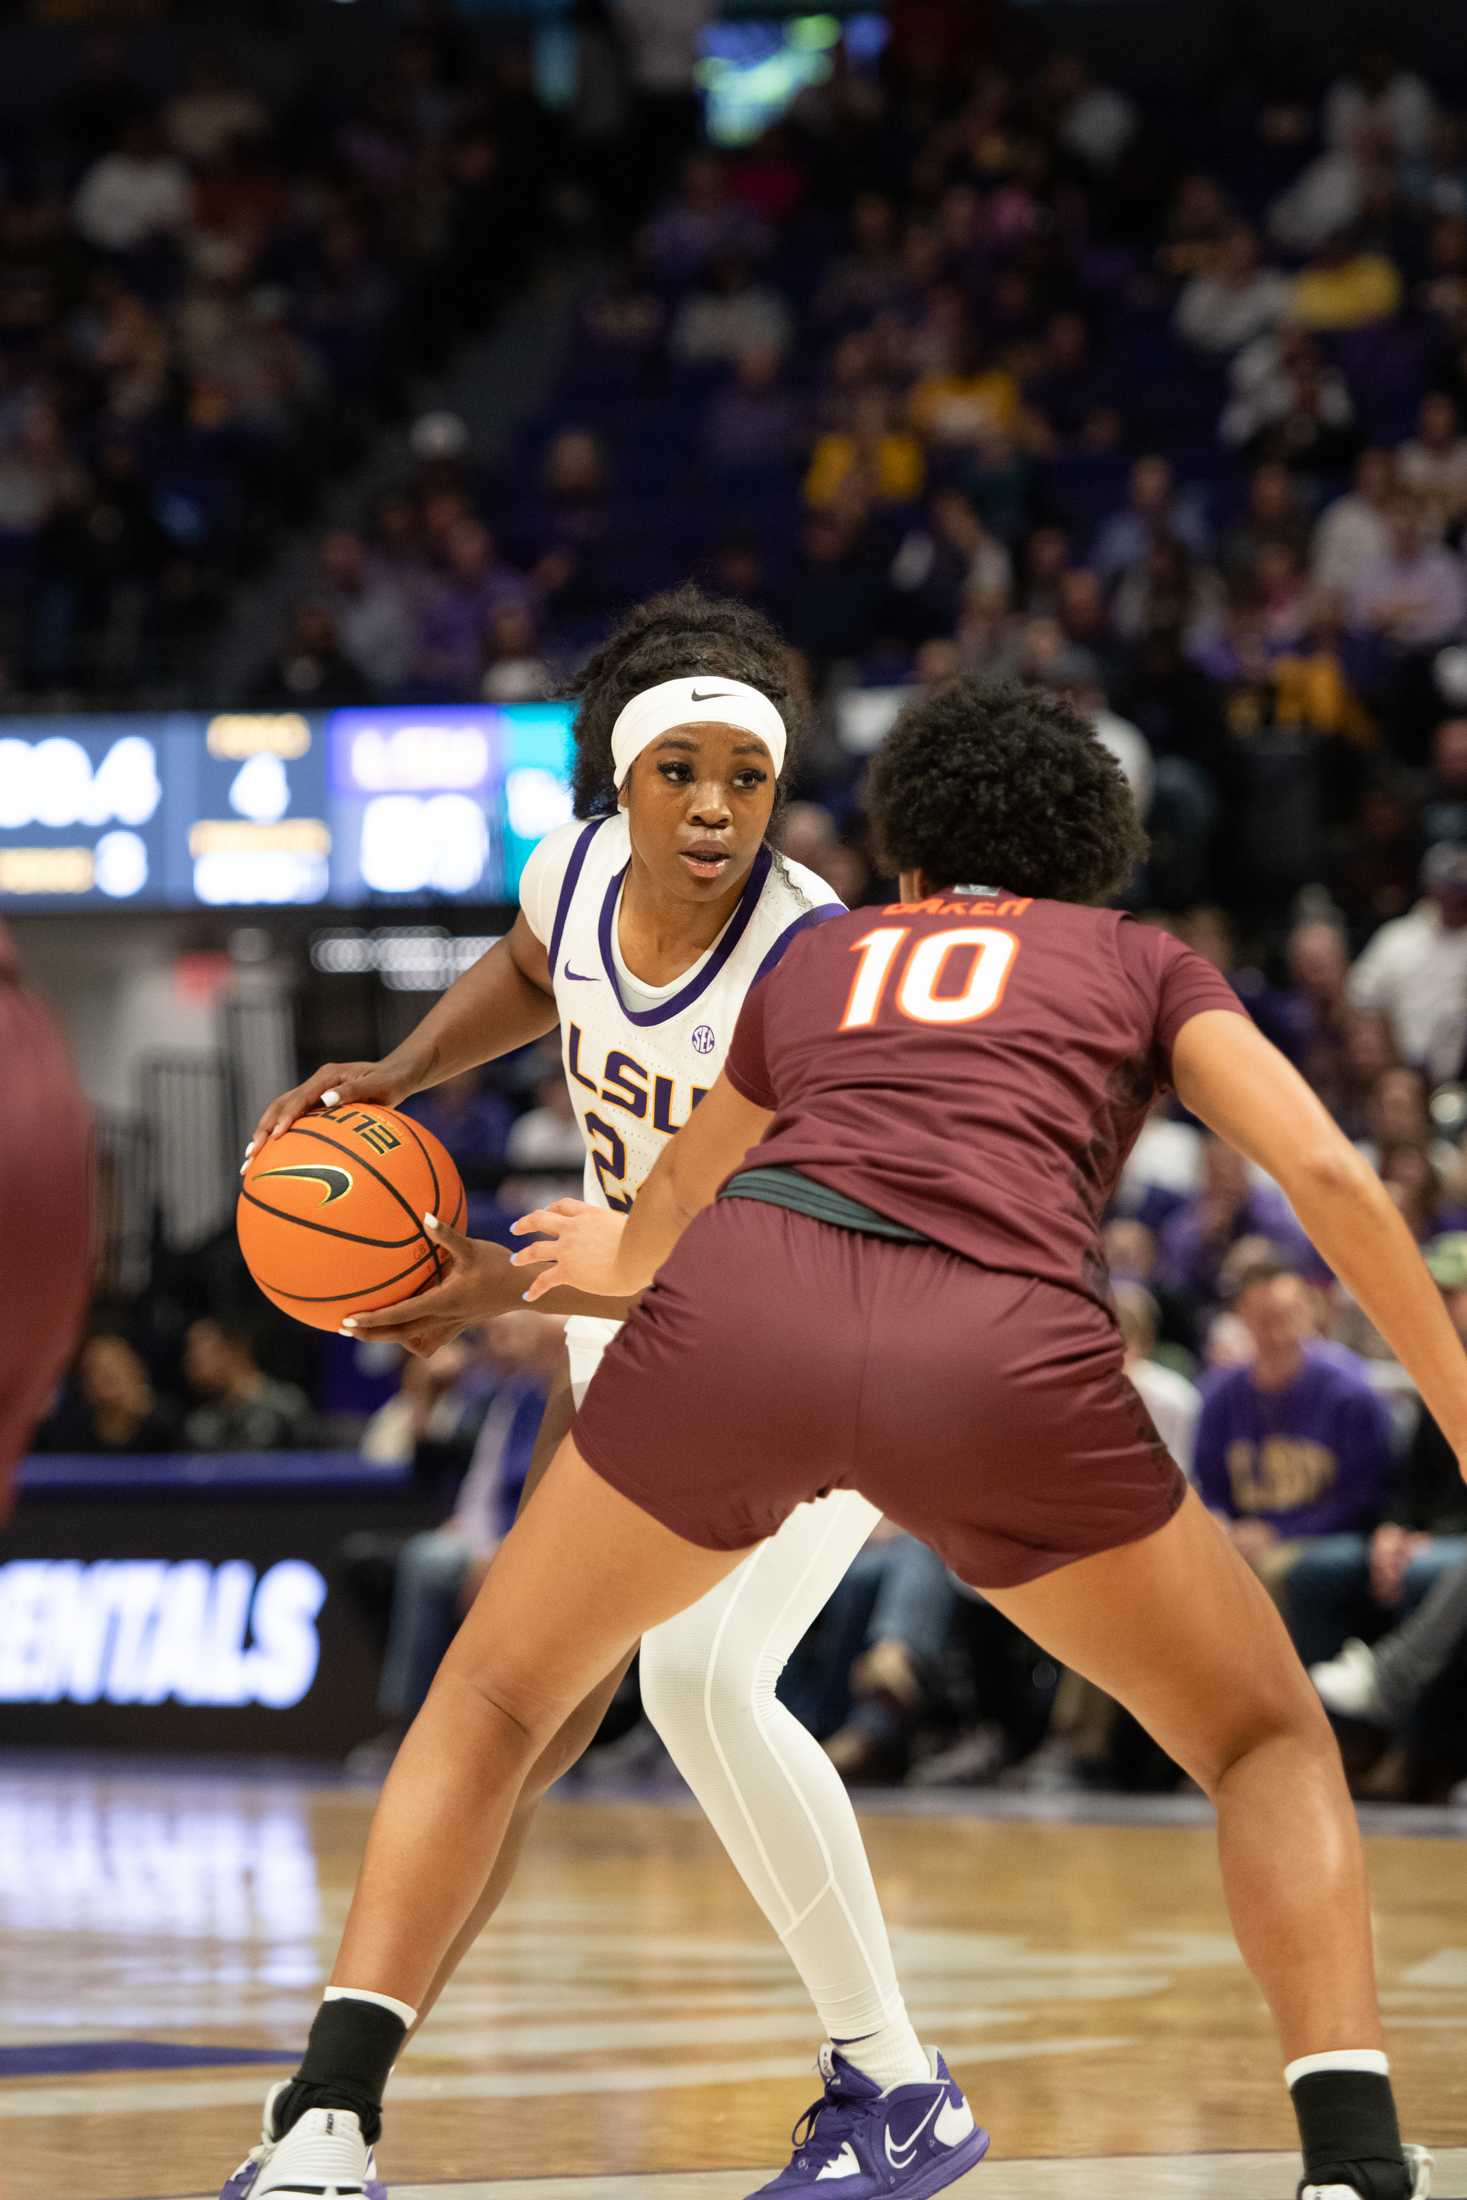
[
  {"x": 903, "y": 2156},
  {"x": 579, "y": 977},
  {"x": 337, "y": 1181}
]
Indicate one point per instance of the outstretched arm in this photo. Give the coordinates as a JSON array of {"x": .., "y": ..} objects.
[
  {"x": 585, "y": 1249},
  {"x": 478, "y": 1283},
  {"x": 1242, "y": 1087}
]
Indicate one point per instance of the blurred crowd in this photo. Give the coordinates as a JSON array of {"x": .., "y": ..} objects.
[
  {"x": 974, "y": 363},
  {"x": 973, "y": 367},
  {"x": 212, "y": 294}
]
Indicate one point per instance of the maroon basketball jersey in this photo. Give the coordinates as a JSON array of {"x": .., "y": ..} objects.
[{"x": 974, "y": 1066}]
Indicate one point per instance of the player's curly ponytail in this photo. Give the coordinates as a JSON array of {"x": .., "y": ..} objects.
[{"x": 669, "y": 637}]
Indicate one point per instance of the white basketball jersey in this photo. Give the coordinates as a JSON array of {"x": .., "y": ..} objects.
[{"x": 637, "y": 1058}]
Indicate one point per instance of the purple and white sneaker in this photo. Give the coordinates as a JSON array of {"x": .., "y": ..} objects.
[
  {"x": 323, "y": 2155},
  {"x": 863, "y": 2144}
]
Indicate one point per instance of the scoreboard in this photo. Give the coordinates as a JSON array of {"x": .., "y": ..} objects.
[{"x": 253, "y": 809}]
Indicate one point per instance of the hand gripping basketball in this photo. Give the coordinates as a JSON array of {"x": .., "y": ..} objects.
[
  {"x": 478, "y": 1284},
  {"x": 396, "y": 1077},
  {"x": 331, "y": 1213}
]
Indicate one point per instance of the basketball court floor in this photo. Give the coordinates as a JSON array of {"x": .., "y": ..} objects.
[{"x": 628, "y": 2030}]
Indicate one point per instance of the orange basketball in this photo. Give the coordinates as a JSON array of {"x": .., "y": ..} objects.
[{"x": 330, "y": 1215}]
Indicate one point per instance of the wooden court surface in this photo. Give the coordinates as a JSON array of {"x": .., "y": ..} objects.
[{"x": 629, "y": 2028}]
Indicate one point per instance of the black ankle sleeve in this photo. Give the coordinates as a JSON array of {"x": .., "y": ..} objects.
[
  {"x": 1349, "y": 2134},
  {"x": 351, "y": 2050}
]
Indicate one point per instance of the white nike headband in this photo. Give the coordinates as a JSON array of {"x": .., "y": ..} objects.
[{"x": 703, "y": 700}]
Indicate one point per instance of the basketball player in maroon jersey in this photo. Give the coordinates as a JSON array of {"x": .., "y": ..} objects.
[
  {"x": 45, "y": 1212},
  {"x": 900, "y": 1290}
]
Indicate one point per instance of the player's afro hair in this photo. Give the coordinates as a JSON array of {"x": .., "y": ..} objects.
[
  {"x": 992, "y": 784},
  {"x": 674, "y": 636}
]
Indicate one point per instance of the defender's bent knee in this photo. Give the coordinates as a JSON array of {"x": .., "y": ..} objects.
[
  {"x": 565, "y": 1748},
  {"x": 1292, "y": 1720},
  {"x": 527, "y": 1719},
  {"x": 569, "y": 1740}
]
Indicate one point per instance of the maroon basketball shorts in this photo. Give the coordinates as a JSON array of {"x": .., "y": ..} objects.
[
  {"x": 45, "y": 1218},
  {"x": 778, "y": 1358}
]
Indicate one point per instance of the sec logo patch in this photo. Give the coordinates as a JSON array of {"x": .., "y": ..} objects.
[{"x": 703, "y": 1040}]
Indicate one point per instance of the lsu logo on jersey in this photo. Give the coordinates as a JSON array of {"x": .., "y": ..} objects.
[{"x": 626, "y": 1084}]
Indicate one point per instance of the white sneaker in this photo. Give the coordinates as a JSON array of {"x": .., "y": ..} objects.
[
  {"x": 1418, "y": 2161},
  {"x": 323, "y": 2155},
  {"x": 1349, "y": 1685}
]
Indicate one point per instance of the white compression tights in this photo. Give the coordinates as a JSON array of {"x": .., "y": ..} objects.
[{"x": 766, "y": 1786}]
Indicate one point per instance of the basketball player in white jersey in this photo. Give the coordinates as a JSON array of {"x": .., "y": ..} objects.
[{"x": 641, "y": 929}]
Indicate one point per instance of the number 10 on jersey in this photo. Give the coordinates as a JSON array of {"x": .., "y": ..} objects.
[{"x": 989, "y": 954}]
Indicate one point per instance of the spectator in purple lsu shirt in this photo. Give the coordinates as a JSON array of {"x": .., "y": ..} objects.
[
  {"x": 1349, "y": 1587},
  {"x": 1196, "y": 1239},
  {"x": 1296, "y": 1444}
]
